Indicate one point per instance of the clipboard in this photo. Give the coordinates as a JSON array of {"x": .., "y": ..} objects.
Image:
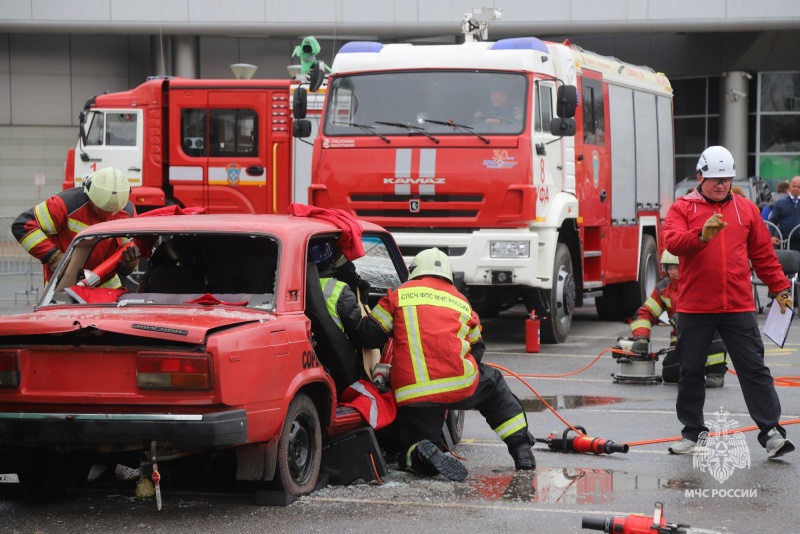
[{"x": 776, "y": 327}]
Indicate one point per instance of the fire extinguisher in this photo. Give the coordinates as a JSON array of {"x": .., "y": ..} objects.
[{"x": 532, "y": 340}]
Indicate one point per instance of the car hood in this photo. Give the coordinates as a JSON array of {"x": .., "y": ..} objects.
[{"x": 188, "y": 325}]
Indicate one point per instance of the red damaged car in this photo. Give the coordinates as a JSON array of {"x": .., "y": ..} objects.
[{"x": 222, "y": 345}]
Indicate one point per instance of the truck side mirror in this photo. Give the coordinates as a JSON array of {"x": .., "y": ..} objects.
[
  {"x": 562, "y": 127},
  {"x": 81, "y": 130},
  {"x": 316, "y": 76},
  {"x": 567, "y": 101},
  {"x": 301, "y": 128},
  {"x": 300, "y": 103}
]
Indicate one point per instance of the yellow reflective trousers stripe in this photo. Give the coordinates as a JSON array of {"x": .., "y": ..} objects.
[{"x": 514, "y": 424}]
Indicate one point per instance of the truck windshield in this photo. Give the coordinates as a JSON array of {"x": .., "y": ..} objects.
[{"x": 487, "y": 102}]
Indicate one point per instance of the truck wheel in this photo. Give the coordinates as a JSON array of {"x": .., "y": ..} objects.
[
  {"x": 300, "y": 447},
  {"x": 633, "y": 294},
  {"x": 555, "y": 327},
  {"x": 455, "y": 425}
]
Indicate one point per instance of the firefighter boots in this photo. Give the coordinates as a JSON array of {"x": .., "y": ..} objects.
[
  {"x": 446, "y": 464},
  {"x": 523, "y": 458}
]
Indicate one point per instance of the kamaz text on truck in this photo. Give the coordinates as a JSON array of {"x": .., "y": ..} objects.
[
  {"x": 532, "y": 206},
  {"x": 225, "y": 145}
]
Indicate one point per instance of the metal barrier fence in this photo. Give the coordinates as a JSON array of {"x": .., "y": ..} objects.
[{"x": 20, "y": 273}]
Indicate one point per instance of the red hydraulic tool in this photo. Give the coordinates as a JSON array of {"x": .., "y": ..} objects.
[
  {"x": 640, "y": 524},
  {"x": 578, "y": 443}
]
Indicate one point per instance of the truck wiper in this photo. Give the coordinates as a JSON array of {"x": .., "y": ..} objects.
[
  {"x": 364, "y": 128},
  {"x": 459, "y": 128},
  {"x": 412, "y": 129}
]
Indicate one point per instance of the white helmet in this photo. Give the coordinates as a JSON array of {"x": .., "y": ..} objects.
[
  {"x": 667, "y": 258},
  {"x": 431, "y": 262},
  {"x": 716, "y": 162},
  {"x": 108, "y": 189}
]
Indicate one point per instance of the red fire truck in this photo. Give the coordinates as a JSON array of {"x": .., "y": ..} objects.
[
  {"x": 225, "y": 145},
  {"x": 543, "y": 170}
]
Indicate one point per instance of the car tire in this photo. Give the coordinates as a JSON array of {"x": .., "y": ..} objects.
[
  {"x": 455, "y": 425},
  {"x": 300, "y": 448}
]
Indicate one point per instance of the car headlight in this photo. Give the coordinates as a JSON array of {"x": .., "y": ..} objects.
[{"x": 510, "y": 249}]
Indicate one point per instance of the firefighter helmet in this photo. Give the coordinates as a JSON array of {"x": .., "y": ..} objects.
[
  {"x": 320, "y": 253},
  {"x": 108, "y": 189},
  {"x": 431, "y": 262},
  {"x": 667, "y": 258},
  {"x": 716, "y": 162}
]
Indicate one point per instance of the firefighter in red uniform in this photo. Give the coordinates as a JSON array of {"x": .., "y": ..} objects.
[
  {"x": 664, "y": 298},
  {"x": 437, "y": 366},
  {"x": 46, "y": 230},
  {"x": 718, "y": 237}
]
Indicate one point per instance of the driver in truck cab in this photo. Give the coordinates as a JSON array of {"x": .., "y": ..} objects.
[
  {"x": 500, "y": 108},
  {"x": 46, "y": 230}
]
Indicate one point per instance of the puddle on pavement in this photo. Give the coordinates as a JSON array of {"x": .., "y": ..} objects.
[
  {"x": 565, "y": 485},
  {"x": 561, "y": 402}
]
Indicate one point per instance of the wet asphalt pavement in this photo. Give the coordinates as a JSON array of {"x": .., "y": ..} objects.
[{"x": 752, "y": 494}]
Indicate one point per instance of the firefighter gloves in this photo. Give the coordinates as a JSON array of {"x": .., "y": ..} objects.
[
  {"x": 784, "y": 299},
  {"x": 127, "y": 264},
  {"x": 712, "y": 227},
  {"x": 55, "y": 259}
]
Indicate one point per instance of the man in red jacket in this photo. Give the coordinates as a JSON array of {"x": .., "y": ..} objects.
[
  {"x": 717, "y": 235},
  {"x": 436, "y": 365}
]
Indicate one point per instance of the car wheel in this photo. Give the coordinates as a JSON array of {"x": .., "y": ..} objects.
[
  {"x": 300, "y": 447},
  {"x": 455, "y": 425}
]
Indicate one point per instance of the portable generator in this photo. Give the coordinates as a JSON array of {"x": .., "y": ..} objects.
[{"x": 633, "y": 367}]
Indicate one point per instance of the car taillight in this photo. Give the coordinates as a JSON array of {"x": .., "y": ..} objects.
[
  {"x": 9, "y": 369},
  {"x": 166, "y": 370}
]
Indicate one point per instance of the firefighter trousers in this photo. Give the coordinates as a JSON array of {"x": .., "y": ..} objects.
[
  {"x": 739, "y": 332},
  {"x": 492, "y": 398}
]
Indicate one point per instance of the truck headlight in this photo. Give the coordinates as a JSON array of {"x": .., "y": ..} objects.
[{"x": 510, "y": 249}]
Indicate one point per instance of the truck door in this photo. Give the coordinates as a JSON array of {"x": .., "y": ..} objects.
[
  {"x": 218, "y": 158},
  {"x": 594, "y": 170},
  {"x": 548, "y": 157},
  {"x": 114, "y": 138}
]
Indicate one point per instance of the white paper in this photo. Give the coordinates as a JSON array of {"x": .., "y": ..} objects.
[{"x": 776, "y": 327}]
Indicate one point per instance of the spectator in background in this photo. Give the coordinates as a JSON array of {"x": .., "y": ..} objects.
[
  {"x": 737, "y": 190},
  {"x": 786, "y": 215},
  {"x": 781, "y": 191}
]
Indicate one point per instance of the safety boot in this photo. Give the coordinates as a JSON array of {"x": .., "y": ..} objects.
[
  {"x": 715, "y": 381},
  {"x": 523, "y": 458},
  {"x": 447, "y": 465}
]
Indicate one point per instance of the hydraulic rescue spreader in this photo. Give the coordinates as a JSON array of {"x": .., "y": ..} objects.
[{"x": 582, "y": 443}]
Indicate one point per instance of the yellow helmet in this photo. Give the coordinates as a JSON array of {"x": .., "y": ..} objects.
[
  {"x": 431, "y": 262},
  {"x": 108, "y": 189},
  {"x": 667, "y": 258}
]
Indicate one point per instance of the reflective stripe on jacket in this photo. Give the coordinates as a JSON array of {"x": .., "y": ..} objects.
[
  {"x": 661, "y": 300},
  {"x": 433, "y": 327},
  {"x": 715, "y": 276},
  {"x": 54, "y": 223}
]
